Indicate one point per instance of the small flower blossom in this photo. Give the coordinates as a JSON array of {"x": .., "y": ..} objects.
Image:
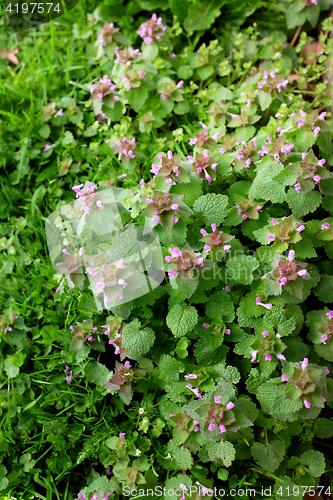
[
  {"x": 259, "y": 303},
  {"x": 254, "y": 355},
  {"x": 152, "y": 30}
]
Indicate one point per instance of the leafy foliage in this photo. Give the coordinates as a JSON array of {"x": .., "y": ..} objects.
[{"x": 173, "y": 326}]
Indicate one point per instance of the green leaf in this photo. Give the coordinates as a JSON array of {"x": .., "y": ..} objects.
[
  {"x": 301, "y": 204},
  {"x": 170, "y": 366},
  {"x": 96, "y": 373},
  {"x": 304, "y": 139},
  {"x": 180, "y": 10},
  {"x": 137, "y": 97},
  {"x": 240, "y": 269},
  {"x": 221, "y": 453},
  {"x": 315, "y": 461},
  {"x": 44, "y": 131},
  {"x": 182, "y": 107},
  {"x": 324, "y": 428},
  {"x": 137, "y": 341},
  {"x": 11, "y": 370},
  {"x": 181, "y": 458},
  {"x": 205, "y": 72},
  {"x": 286, "y": 177},
  {"x": 28, "y": 463},
  {"x": 113, "y": 113},
  {"x": 90, "y": 132},
  {"x": 265, "y": 186},
  {"x": 213, "y": 207},
  {"x": 324, "y": 290},
  {"x": 191, "y": 192},
  {"x": 149, "y": 52},
  {"x": 183, "y": 72},
  {"x": 68, "y": 138},
  {"x": 269, "y": 457},
  {"x": 223, "y": 94},
  {"x": 202, "y": 14},
  {"x": 220, "y": 304},
  {"x": 265, "y": 99},
  {"x": 181, "y": 321}
]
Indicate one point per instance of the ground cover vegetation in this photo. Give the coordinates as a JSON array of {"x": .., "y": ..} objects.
[{"x": 210, "y": 123}]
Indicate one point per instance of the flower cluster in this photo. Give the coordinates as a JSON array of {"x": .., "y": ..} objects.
[
  {"x": 102, "y": 88},
  {"x": 124, "y": 56},
  {"x": 269, "y": 346},
  {"x": 216, "y": 246},
  {"x": 308, "y": 173},
  {"x": 108, "y": 34},
  {"x": 271, "y": 81},
  {"x": 203, "y": 139},
  {"x": 184, "y": 263},
  {"x": 246, "y": 154},
  {"x": 169, "y": 172},
  {"x": 88, "y": 200},
  {"x": 247, "y": 208},
  {"x": 310, "y": 121},
  {"x": 152, "y": 30},
  {"x": 287, "y": 275},
  {"x": 94, "y": 497},
  {"x": 164, "y": 209},
  {"x": 123, "y": 377},
  {"x": 172, "y": 91},
  {"x": 7, "y": 322},
  {"x": 108, "y": 276},
  {"x": 287, "y": 230},
  {"x": 125, "y": 149},
  {"x": 276, "y": 147},
  {"x": 133, "y": 79},
  {"x": 305, "y": 382},
  {"x": 204, "y": 166}
]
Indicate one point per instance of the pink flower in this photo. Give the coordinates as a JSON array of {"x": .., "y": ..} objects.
[
  {"x": 265, "y": 333},
  {"x": 229, "y": 406},
  {"x": 48, "y": 147},
  {"x": 304, "y": 364},
  {"x": 284, "y": 378},
  {"x": 122, "y": 434},
  {"x": 254, "y": 355},
  {"x": 259, "y": 303},
  {"x": 306, "y": 403},
  {"x": 222, "y": 428},
  {"x": 268, "y": 357},
  {"x": 281, "y": 357},
  {"x": 227, "y": 331},
  {"x": 297, "y": 187},
  {"x": 330, "y": 314}
]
